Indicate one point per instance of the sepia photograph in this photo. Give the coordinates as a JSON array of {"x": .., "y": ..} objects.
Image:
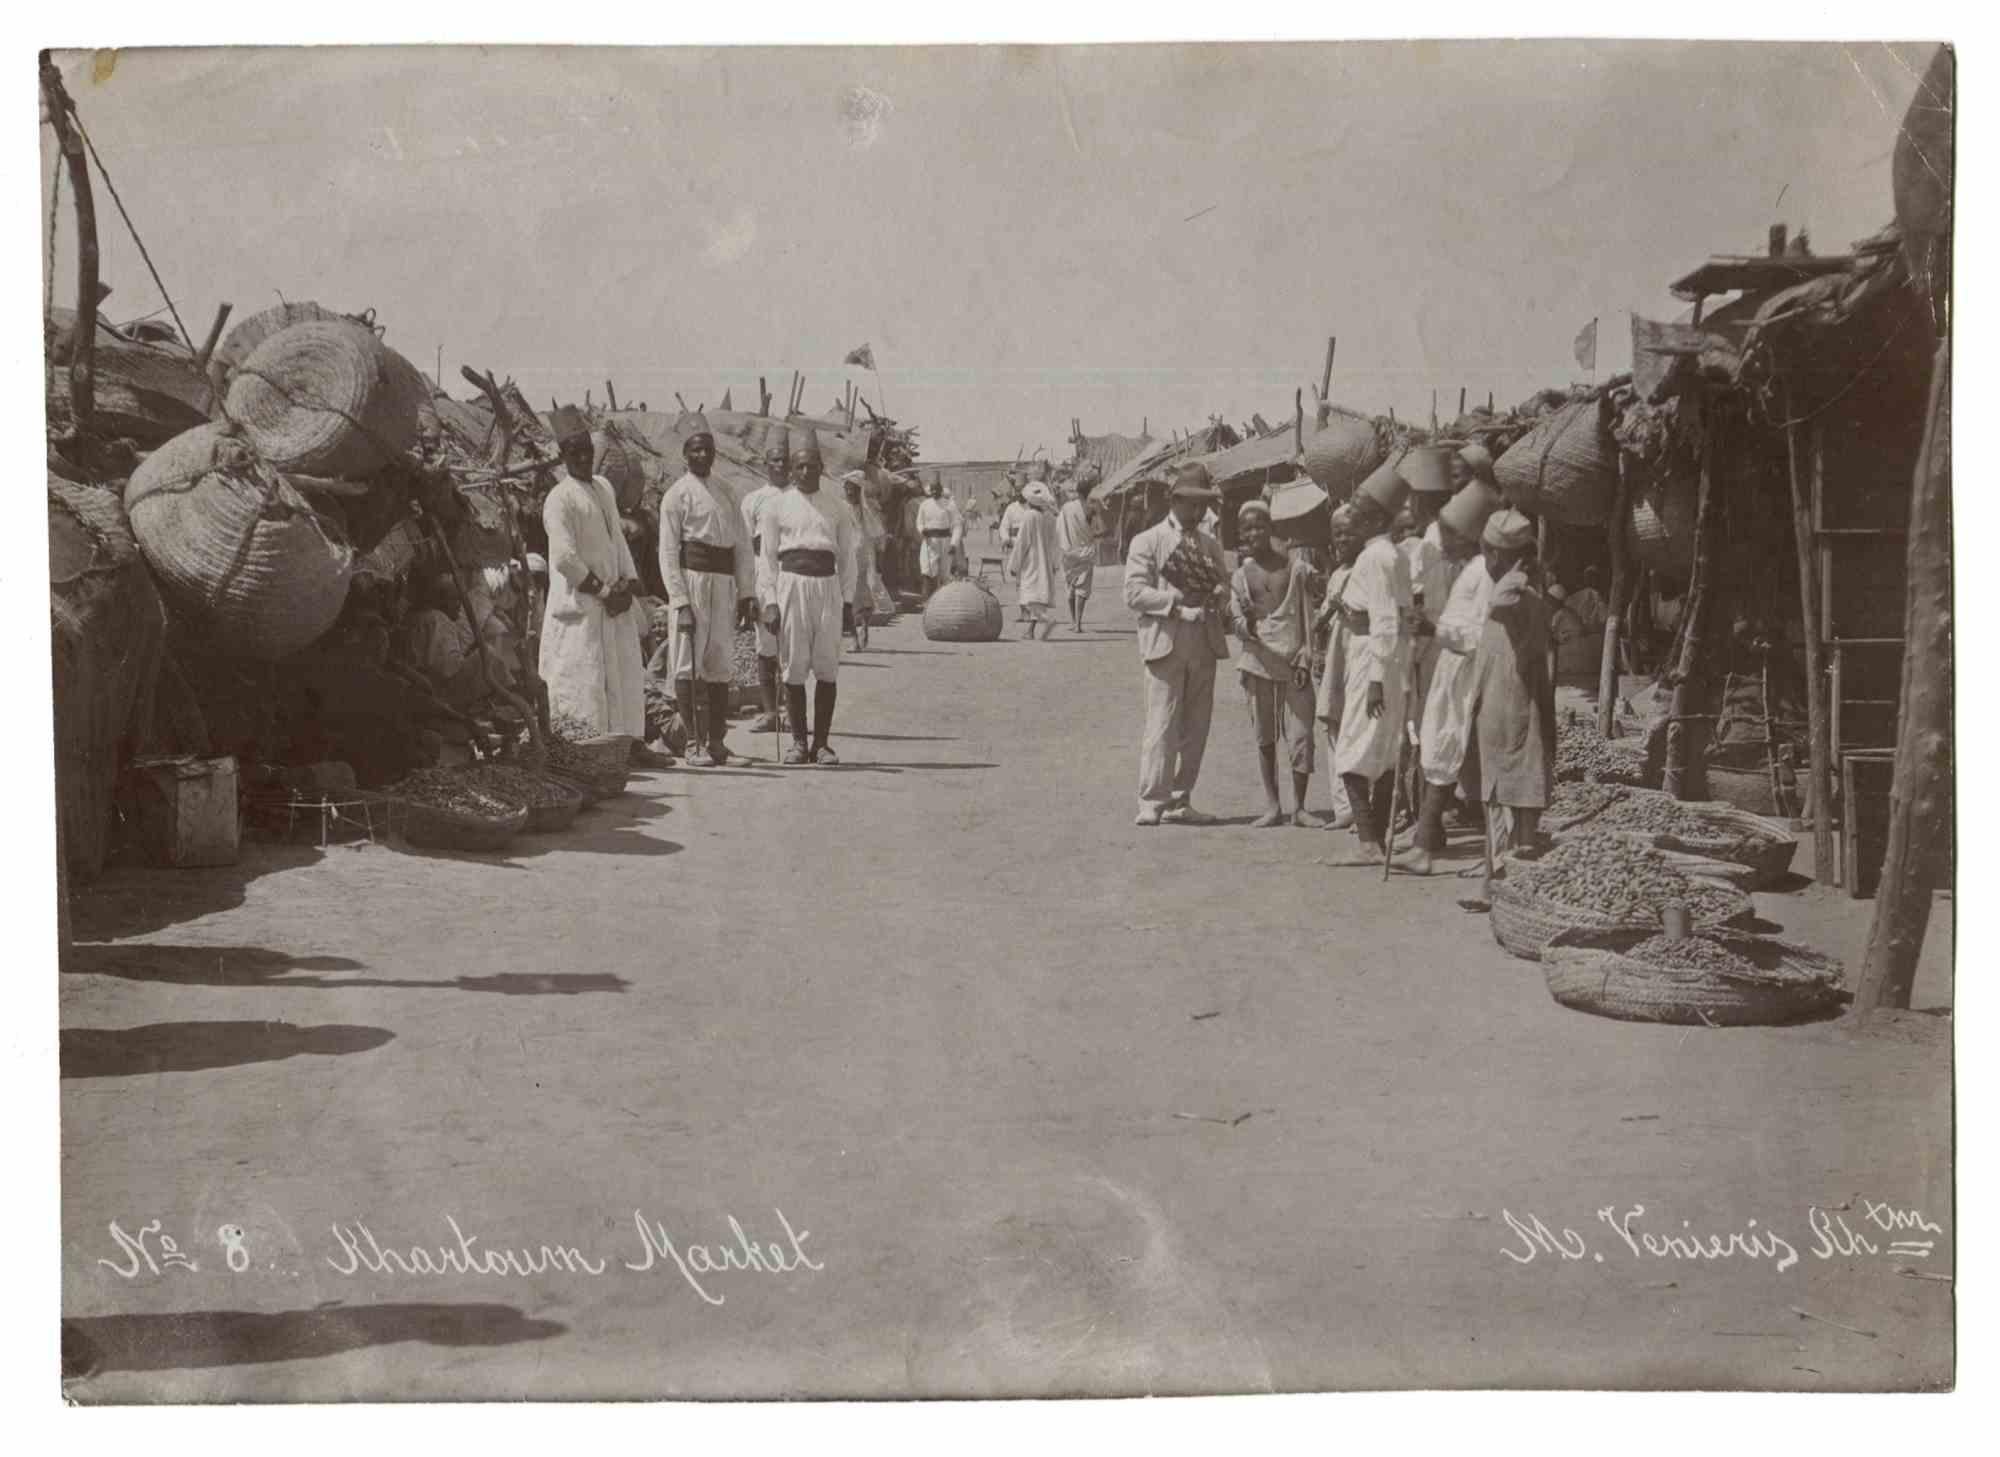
[{"x": 944, "y": 722}]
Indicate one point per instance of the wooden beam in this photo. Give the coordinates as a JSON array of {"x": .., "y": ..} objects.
[
  {"x": 1614, "y": 619},
  {"x": 1687, "y": 727},
  {"x": 83, "y": 349},
  {"x": 1819, "y": 737},
  {"x": 1920, "y": 799}
]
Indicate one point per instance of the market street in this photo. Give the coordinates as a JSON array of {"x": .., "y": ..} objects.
[{"x": 1002, "y": 1095}]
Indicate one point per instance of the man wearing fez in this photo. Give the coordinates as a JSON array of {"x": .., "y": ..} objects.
[
  {"x": 937, "y": 534},
  {"x": 1178, "y": 583},
  {"x": 711, "y": 588},
  {"x": 805, "y": 579},
  {"x": 590, "y": 655},
  {"x": 1447, "y": 709},
  {"x": 1513, "y": 697},
  {"x": 776, "y": 463},
  {"x": 1372, "y": 603}
]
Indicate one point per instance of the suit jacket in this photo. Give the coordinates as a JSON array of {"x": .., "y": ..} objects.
[{"x": 1154, "y": 601}]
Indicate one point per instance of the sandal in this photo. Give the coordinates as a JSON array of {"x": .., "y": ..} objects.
[
  {"x": 795, "y": 755},
  {"x": 825, "y": 756}
]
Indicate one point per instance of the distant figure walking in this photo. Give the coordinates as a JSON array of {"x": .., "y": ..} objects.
[{"x": 1033, "y": 561}]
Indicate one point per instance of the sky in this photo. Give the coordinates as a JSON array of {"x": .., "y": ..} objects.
[{"x": 1120, "y": 234}]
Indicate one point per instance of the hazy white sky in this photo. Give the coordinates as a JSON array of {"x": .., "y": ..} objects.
[{"x": 1023, "y": 234}]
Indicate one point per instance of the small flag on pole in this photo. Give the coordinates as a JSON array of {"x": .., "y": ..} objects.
[
  {"x": 1586, "y": 346},
  {"x": 864, "y": 357}
]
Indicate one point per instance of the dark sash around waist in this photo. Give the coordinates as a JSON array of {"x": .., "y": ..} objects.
[
  {"x": 806, "y": 561},
  {"x": 936, "y": 533},
  {"x": 700, "y": 556},
  {"x": 1355, "y": 619}
]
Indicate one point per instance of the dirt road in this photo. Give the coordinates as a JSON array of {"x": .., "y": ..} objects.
[{"x": 1001, "y": 1094}]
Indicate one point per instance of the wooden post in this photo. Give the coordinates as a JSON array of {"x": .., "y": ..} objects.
[
  {"x": 1687, "y": 736},
  {"x": 1614, "y": 620},
  {"x": 1489, "y": 402},
  {"x": 1461, "y": 402},
  {"x": 1326, "y": 374},
  {"x": 1299, "y": 421},
  {"x": 612, "y": 395},
  {"x": 214, "y": 337},
  {"x": 83, "y": 349},
  {"x": 1434, "y": 409},
  {"x": 763, "y": 397},
  {"x": 1819, "y": 734},
  {"x": 1920, "y": 798}
]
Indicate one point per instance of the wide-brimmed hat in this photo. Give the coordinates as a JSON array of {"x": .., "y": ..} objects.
[{"x": 1192, "y": 482}]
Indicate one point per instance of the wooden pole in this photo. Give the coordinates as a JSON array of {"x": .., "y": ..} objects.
[
  {"x": 1819, "y": 731},
  {"x": 1489, "y": 402},
  {"x": 763, "y": 397},
  {"x": 1614, "y": 620},
  {"x": 1687, "y": 737},
  {"x": 612, "y": 395},
  {"x": 214, "y": 337},
  {"x": 83, "y": 349},
  {"x": 1461, "y": 401},
  {"x": 1326, "y": 374},
  {"x": 1299, "y": 421},
  {"x": 1920, "y": 799}
]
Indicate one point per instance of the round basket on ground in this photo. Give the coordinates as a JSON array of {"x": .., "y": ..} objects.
[
  {"x": 962, "y": 611},
  {"x": 1523, "y": 922},
  {"x": 1565, "y": 468},
  {"x": 235, "y": 548},
  {"x": 323, "y": 399},
  {"x": 1721, "y": 831},
  {"x": 552, "y": 803},
  {"x": 1591, "y": 971},
  {"x": 1731, "y": 873},
  {"x": 436, "y": 827}
]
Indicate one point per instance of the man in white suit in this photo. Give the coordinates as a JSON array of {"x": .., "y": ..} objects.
[{"x": 1178, "y": 583}]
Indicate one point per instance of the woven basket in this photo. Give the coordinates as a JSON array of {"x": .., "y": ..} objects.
[
  {"x": 1660, "y": 528},
  {"x": 444, "y": 829},
  {"x": 962, "y": 611},
  {"x": 1566, "y": 468},
  {"x": 1587, "y": 971},
  {"x": 235, "y": 548},
  {"x": 1560, "y": 823},
  {"x": 1765, "y": 847},
  {"x": 619, "y": 464},
  {"x": 1748, "y": 790},
  {"x": 542, "y": 818},
  {"x": 1732, "y": 873},
  {"x": 1342, "y": 452},
  {"x": 323, "y": 399},
  {"x": 238, "y": 344},
  {"x": 1523, "y": 923}
]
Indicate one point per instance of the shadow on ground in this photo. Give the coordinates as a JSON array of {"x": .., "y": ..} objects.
[
  {"x": 261, "y": 966},
  {"x": 128, "y": 901},
  {"x": 197, "y": 1338},
  {"x": 176, "y": 1047}
]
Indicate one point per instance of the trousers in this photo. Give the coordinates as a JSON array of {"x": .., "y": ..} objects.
[
  {"x": 1180, "y": 701},
  {"x": 709, "y": 652},
  {"x": 808, "y": 627}
]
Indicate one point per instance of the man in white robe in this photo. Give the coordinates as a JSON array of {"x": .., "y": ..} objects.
[
  {"x": 1447, "y": 710},
  {"x": 590, "y": 655},
  {"x": 711, "y": 588},
  {"x": 1373, "y": 603},
  {"x": 938, "y": 532},
  {"x": 1076, "y": 536},
  {"x": 776, "y": 462},
  {"x": 1033, "y": 561},
  {"x": 805, "y": 579}
]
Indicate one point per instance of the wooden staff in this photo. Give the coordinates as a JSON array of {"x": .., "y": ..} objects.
[
  {"x": 1326, "y": 374},
  {"x": 1614, "y": 620},
  {"x": 1819, "y": 730},
  {"x": 83, "y": 347}
]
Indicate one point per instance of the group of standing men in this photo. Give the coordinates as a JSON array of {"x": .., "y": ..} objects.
[
  {"x": 786, "y": 558},
  {"x": 1440, "y": 638}
]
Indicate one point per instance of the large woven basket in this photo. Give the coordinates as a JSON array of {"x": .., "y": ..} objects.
[
  {"x": 1660, "y": 528},
  {"x": 962, "y": 611},
  {"x": 619, "y": 464},
  {"x": 323, "y": 399},
  {"x": 557, "y": 812},
  {"x": 1341, "y": 453},
  {"x": 1565, "y": 468},
  {"x": 444, "y": 829},
  {"x": 1732, "y": 873},
  {"x": 1561, "y": 821},
  {"x": 238, "y": 344},
  {"x": 1763, "y": 846},
  {"x": 235, "y": 548},
  {"x": 1589, "y": 972},
  {"x": 1523, "y": 923}
]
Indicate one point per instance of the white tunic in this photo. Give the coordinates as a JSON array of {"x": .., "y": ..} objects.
[
  {"x": 753, "y": 511},
  {"x": 808, "y": 607},
  {"x": 591, "y": 660},
  {"x": 694, "y": 510},
  {"x": 1447, "y": 728},
  {"x": 1380, "y": 586},
  {"x": 1034, "y": 557},
  {"x": 935, "y": 551}
]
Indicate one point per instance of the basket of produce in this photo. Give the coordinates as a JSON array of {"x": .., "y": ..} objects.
[
  {"x": 552, "y": 802},
  {"x": 1708, "y": 828},
  {"x": 1582, "y": 755},
  {"x": 962, "y": 611},
  {"x": 1595, "y": 881},
  {"x": 1709, "y": 979},
  {"x": 1731, "y": 873},
  {"x": 1576, "y": 803},
  {"x": 588, "y": 770},
  {"x": 444, "y": 809}
]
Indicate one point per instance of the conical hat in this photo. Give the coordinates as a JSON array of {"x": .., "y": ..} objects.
[
  {"x": 806, "y": 451},
  {"x": 1466, "y": 512},
  {"x": 1385, "y": 489}
]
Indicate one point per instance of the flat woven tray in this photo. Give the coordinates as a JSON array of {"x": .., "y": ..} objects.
[
  {"x": 1589, "y": 972},
  {"x": 1524, "y": 923}
]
